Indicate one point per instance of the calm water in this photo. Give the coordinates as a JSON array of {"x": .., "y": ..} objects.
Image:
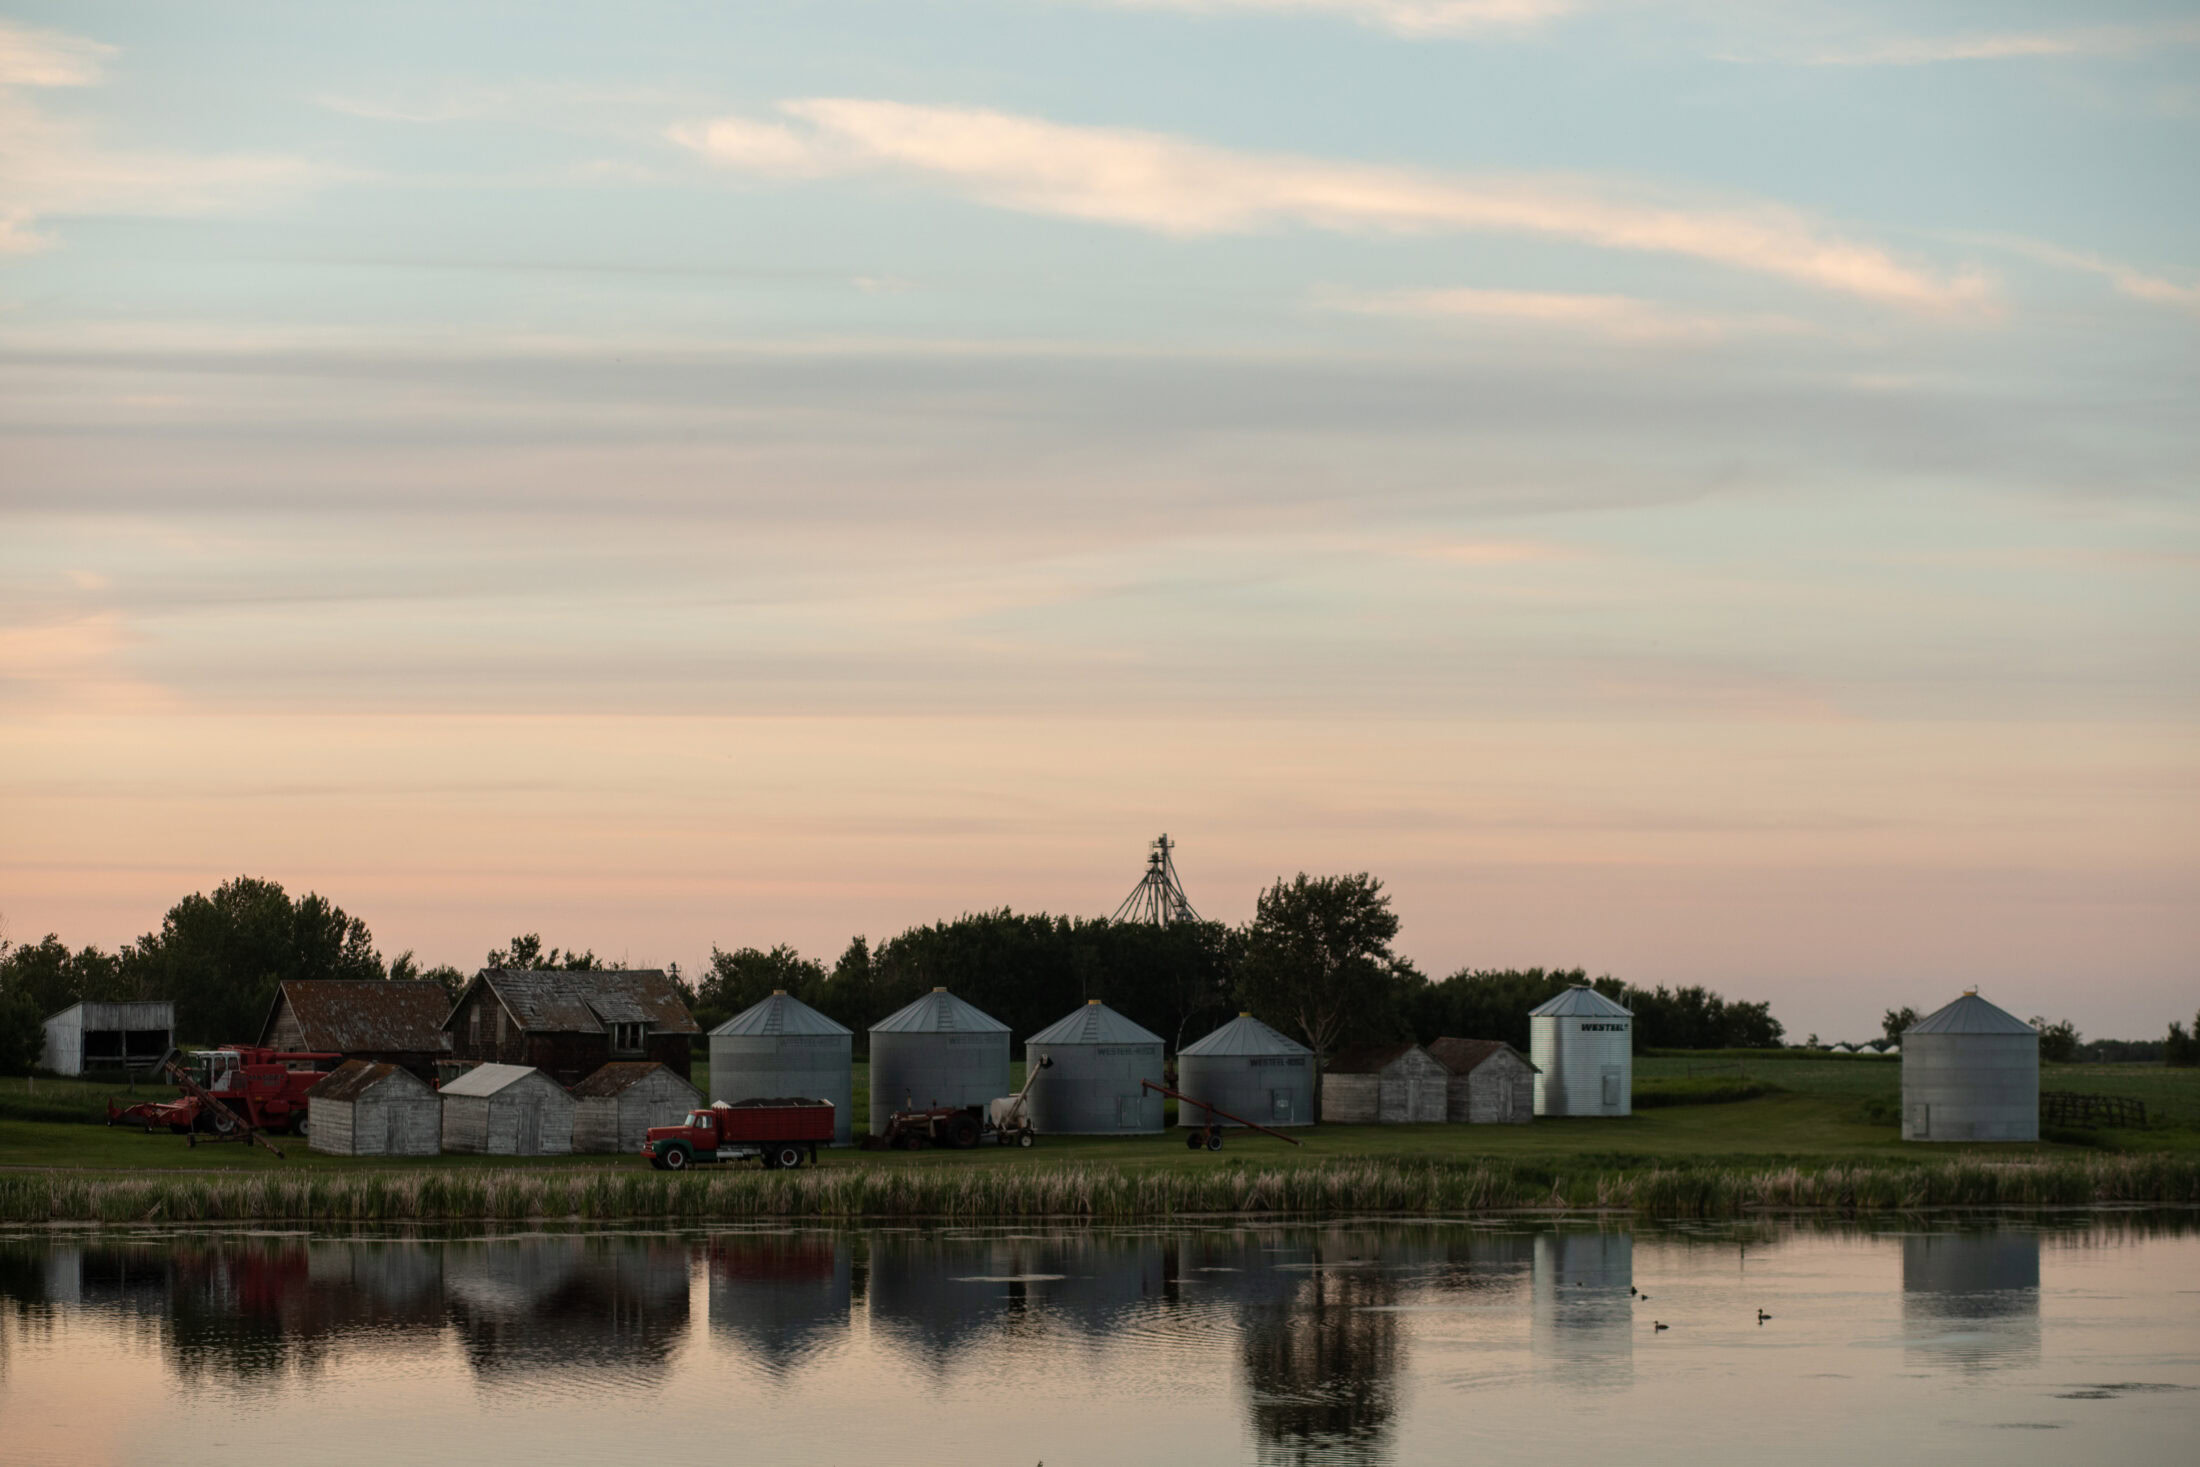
[{"x": 2037, "y": 1339}]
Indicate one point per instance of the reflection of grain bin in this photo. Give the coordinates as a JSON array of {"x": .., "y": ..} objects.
[
  {"x": 934, "y": 1296},
  {"x": 1249, "y": 1070},
  {"x": 937, "y": 1051},
  {"x": 786, "y": 1296},
  {"x": 1971, "y": 1072},
  {"x": 780, "y": 1048},
  {"x": 1582, "y": 1045},
  {"x": 1584, "y": 1313},
  {"x": 1094, "y": 1087},
  {"x": 1972, "y": 1299}
]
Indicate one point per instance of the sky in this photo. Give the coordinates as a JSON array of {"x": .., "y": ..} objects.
[{"x": 1703, "y": 492}]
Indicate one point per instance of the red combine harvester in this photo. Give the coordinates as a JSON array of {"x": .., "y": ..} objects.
[
  {"x": 780, "y": 1133},
  {"x": 228, "y": 1090}
]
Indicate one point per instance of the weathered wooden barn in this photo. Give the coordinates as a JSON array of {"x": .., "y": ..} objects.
[
  {"x": 1491, "y": 1082},
  {"x": 397, "y": 1023},
  {"x": 1384, "y": 1084},
  {"x": 507, "y": 1110},
  {"x": 108, "y": 1036},
  {"x": 614, "y": 1108},
  {"x": 374, "y": 1108},
  {"x": 570, "y": 1024}
]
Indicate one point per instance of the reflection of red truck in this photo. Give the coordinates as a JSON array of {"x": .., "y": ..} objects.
[{"x": 779, "y": 1132}]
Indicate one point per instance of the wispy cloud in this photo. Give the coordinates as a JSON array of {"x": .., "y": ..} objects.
[
  {"x": 2101, "y": 40},
  {"x": 1619, "y": 317},
  {"x": 1402, "y": 17},
  {"x": 52, "y": 165},
  {"x": 2128, "y": 280},
  {"x": 31, "y": 58},
  {"x": 1173, "y": 186}
]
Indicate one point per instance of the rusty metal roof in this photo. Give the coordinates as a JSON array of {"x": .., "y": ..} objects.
[
  {"x": 1461, "y": 1056},
  {"x": 354, "y": 1078},
  {"x": 1368, "y": 1059},
  {"x": 620, "y": 1076},
  {"x": 349, "y": 1015},
  {"x": 557, "y": 1001}
]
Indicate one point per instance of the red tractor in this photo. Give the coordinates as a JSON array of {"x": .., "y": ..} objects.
[
  {"x": 228, "y": 1089},
  {"x": 779, "y": 1133}
]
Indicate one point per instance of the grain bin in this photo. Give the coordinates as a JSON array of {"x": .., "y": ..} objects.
[
  {"x": 1583, "y": 1048},
  {"x": 1094, "y": 1087},
  {"x": 937, "y": 1051},
  {"x": 1971, "y": 1072},
  {"x": 1249, "y": 1070},
  {"x": 782, "y": 1047}
]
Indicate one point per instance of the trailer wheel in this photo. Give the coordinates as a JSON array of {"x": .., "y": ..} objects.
[
  {"x": 787, "y": 1158},
  {"x": 1025, "y": 1138},
  {"x": 1214, "y": 1139},
  {"x": 1193, "y": 1140}
]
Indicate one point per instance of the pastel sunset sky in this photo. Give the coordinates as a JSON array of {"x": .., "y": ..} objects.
[{"x": 1701, "y": 491}]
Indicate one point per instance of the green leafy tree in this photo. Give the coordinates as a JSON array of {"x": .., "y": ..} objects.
[
  {"x": 2058, "y": 1042},
  {"x": 1898, "y": 1022},
  {"x": 2182, "y": 1048},
  {"x": 404, "y": 968},
  {"x": 527, "y": 951},
  {"x": 746, "y": 976},
  {"x": 22, "y": 1034},
  {"x": 1318, "y": 957},
  {"x": 219, "y": 956},
  {"x": 49, "y": 977}
]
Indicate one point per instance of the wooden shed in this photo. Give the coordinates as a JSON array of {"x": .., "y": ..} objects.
[
  {"x": 614, "y": 1108},
  {"x": 507, "y": 1110},
  {"x": 1491, "y": 1082},
  {"x": 373, "y": 1108},
  {"x": 1384, "y": 1084},
  {"x": 91, "y": 1036}
]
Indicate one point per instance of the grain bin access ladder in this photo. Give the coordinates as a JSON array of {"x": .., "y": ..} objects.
[{"x": 1210, "y": 1134}]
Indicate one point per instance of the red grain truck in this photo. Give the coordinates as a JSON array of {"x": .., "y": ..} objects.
[{"x": 779, "y": 1133}]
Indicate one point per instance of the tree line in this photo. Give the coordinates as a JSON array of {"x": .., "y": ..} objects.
[{"x": 1317, "y": 960}]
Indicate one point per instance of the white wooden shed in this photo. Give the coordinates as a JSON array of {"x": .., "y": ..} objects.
[
  {"x": 1384, "y": 1084},
  {"x": 614, "y": 1108},
  {"x": 370, "y": 1108},
  {"x": 136, "y": 1035},
  {"x": 507, "y": 1110}
]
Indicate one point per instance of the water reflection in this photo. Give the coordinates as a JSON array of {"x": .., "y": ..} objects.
[
  {"x": 1584, "y": 1308},
  {"x": 783, "y": 1297},
  {"x": 529, "y": 1305},
  {"x": 1321, "y": 1346},
  {"x": 1972, "y": 1299}
]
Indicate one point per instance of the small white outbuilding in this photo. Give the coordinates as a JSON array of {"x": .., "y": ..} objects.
[
  {"x": 614, "y": 1108},
  {"x": 367, "y": 1108},
  {"x": 507, "y": 1110}
]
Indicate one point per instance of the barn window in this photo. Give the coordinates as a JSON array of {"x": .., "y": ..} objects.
[{"x": 628, "y": 1038}]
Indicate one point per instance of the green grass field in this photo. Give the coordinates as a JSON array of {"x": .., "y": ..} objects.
[{"x": 1816, "y": 1111}]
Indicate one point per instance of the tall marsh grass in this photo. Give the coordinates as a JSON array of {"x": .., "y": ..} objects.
[{"x": 1096, "y": 1192}]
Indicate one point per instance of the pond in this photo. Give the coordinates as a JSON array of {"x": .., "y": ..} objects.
[{"x": 2038, "y": 1338}]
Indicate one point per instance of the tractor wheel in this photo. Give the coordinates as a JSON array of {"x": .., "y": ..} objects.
[
  {"x": 962, "y": 1132},
  {"x": 1214, "y": 1139},
  {"x": 675, "y": 1160},
  {"x": 298, "y": 1125},
  {"x": 787, "y": 1158},
  {"x": 225, "y": 1124}
]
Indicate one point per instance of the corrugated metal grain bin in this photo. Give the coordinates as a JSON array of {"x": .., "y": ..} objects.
[
  {"x": 1583, "y": 1047},
  {"x": 783, "y": 1047},
  {"x": 108, "y": 1036},
  {"x": 614, "y": 1108},
  {"x": 373, "y": 1108},
  {"x": 1971, "y": 1072},
  {"x": 937, "y": 1051},
  {"x": 1093, "y": 1087},
  {"x": 507, "y": 1110},
  {"x": 1249, "y": 1070}
]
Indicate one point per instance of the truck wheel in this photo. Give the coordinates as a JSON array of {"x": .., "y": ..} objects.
[
  {"x": 787, "y": 1157},
  {"x": 675, "y": 1160}
]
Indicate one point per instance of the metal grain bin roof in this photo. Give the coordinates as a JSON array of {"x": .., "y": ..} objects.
[
  {"x": 489, "y": 1079},
  {"x": 1970, "y": 1014},
  {"x": 939, "y": 1012},
  {"x": 1580, "y": 1002},
  {"x": 1095, "y": 1023},
  {"x": 782, "y": 1013},
  {"x": 1245, "y": 1035}
]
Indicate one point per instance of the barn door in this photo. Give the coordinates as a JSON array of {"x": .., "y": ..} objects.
[
  {"x": 530, "y": 1128},
  {"x": 394, "y": 1137}
]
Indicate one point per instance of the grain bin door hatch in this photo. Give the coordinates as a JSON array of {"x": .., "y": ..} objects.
[
  {"x": 1921, "y": 1121},
  {"x": 1611, "y": 1089},
  {"x": 1279, "y": 1105}
]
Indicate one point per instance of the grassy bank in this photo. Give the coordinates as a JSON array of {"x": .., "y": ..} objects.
[{"x": 1095, "y": 1192}]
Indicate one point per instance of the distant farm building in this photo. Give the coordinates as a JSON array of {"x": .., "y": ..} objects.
[
  {"x": 782, "y": 1047},
  {"x": 1971, "y": 1072},
  {"x": 1491, "y": 1082},
  {"x": 109, "y": 1036},
  {"x": 361, "y": 1018},
  {"x": 1384, "y": 1084},
  {"x": 614, "y": 1108},
  {"x": 570, "y": 1024},
  {"x": 374, "y": 1108},
  {"x": 507, "y": 1110},
  {"x": 1095, "y": 1085},
  {"x": 938, "y": 1050},
  {"x": 1583, "y": 1048},
  {"x": 1248, "y": 1070}
]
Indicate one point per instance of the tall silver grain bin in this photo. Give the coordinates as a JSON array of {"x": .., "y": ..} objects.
[
  {"x": 1971, "y": 1072},
  {"x": 1249, "y": 1070},
  {"x": 782, "y": 1047},
  {"x": 937, "y": 1051},
  {"x": 1093, "y": 1087},
  {"x": 1583, "y": 1047}
]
